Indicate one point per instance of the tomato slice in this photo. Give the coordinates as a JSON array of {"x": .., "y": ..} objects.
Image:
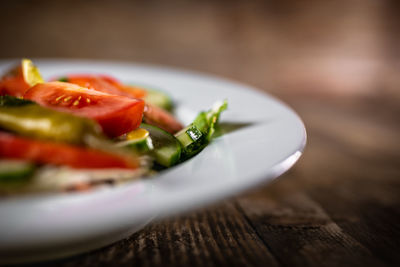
[
  {"x": 106, "y": 84},
  {"x": 60, "y": 154},
  {"x": 19, "y": 79},
  {"x": 116, "y": 114},
  {"x": 96, "y": 83},
  {"x": 152, "y": 114},
  {"x": 133, "y": 91},
  {"x": 13, "y": 83}
]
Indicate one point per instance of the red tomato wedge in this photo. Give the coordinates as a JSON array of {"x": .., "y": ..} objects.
[
  {"x": 106, "y": 84},
  {"x": 133, "y": 91},
  {"x": 13, "y": 83},
  {"x": 60, "y": 154},
  {"x": 152, "y": 114},
  {"x": 116, "y": 114}
]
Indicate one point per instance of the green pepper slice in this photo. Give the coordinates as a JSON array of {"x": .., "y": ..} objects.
[{"x": 31, "y": 120}]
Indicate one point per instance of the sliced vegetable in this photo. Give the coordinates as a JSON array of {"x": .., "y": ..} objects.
[
  {"x": 32, "y": 120},
  {"x": 13, "y": 147},
  {"x": 96, "y": 83},
  {"x": 138, "y": 134},
  {"x": 139, "y": 140},
  {"x": 189, "y": 136},
  {"x": 117, "y": 115},
  {"x": 158, "y": 99},
  {"x": 201, "y": 122},
  {"x": 213, "y": 117},
  {"x": 167, "y": 150},
  {"x": 152, "y": 114},
  {"x": 104, "y": 84},
  {"x": 11, "y": 101},
  {"x": 132, "y": 90},
  {"x": 62, "y": 124},
  {"x": 12, "y": 171},
  {"x": 63, "y": 79},
  {"x": 207, "y": 120},
  {"x": 198, "y": 134},
  {"x": 31, "y": 73},
  {"x": 161, "y": 118},
  {"x": 13, "y": 83},
  {"x": 19, "y": 79},
  {"x": 192, "y": 142}
]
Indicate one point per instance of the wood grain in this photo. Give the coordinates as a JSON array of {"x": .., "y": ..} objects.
[
  {"x": 336, "y": 63},
  {"x": 299, "y": 232},
  {"x": 188, "y": 241}
]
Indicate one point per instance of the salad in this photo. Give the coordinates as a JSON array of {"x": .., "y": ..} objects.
[{"x": 84, "y": 130}]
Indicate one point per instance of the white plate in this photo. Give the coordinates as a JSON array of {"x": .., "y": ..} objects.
[{"x": 40, "y": 227}]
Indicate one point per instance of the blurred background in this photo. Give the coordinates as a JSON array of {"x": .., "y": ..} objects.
[
  {"x": 337, "y": 63},
  {"x": 329, "y": 47}
]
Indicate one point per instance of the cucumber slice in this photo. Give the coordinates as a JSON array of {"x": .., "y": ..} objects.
[
  {"x": 138, "y": 140},
  {"x": 159, "y": 99},
  {"x": 191, "y": 139},
  {"x": 12, "y": 171},
  {"x": 167, "y": 149},
  {"x": 140, "y": 146},
  {"x": 188, "y": 135}
]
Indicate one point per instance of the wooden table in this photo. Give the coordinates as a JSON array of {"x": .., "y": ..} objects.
[{"x": 336, "y": 64}]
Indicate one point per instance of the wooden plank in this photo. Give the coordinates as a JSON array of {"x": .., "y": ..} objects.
[
  {"x": 299, "y": 232},
  {"x": 364, "y": 171},
  {"x": 351, "y": 169},
  {"x": 372, "y": 223},
  {"x": 366, "y": 202},
  {"x": 213, "y": 237}
]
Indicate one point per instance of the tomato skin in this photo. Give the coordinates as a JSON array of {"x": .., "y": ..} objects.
[
  {"x": 14, "y": 83},
  {"x": 115, "y": 114},
  {"x": 106, "y": 84},
  {"x": 132, "y": 91},
  {"x": 60, "y": 154},
  {"x": 96, "y": 83},
  {"x": 152, "y": 114}
]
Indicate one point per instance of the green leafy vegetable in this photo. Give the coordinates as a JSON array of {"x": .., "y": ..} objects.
[
  {"x": 63, "y": 79},
  {"x": 199, "y": 134},
  {"x": 10, "y": 101}
]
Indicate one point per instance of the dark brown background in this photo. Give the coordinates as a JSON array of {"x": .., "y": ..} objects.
[{"x": 335, "y": 62}]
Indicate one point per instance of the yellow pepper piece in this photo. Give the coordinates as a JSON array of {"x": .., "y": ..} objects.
[
  {"x": 31, "y": 73},
  {"x": 137, "y": 134}
]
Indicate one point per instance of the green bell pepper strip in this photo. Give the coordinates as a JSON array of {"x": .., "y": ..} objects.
[{"x": 31, "y": 120}]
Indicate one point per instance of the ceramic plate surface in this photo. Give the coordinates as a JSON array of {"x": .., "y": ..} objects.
[{"x": 268, "y": 140}]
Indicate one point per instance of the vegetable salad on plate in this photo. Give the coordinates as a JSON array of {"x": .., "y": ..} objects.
[{"x": 84, "y": 130}]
